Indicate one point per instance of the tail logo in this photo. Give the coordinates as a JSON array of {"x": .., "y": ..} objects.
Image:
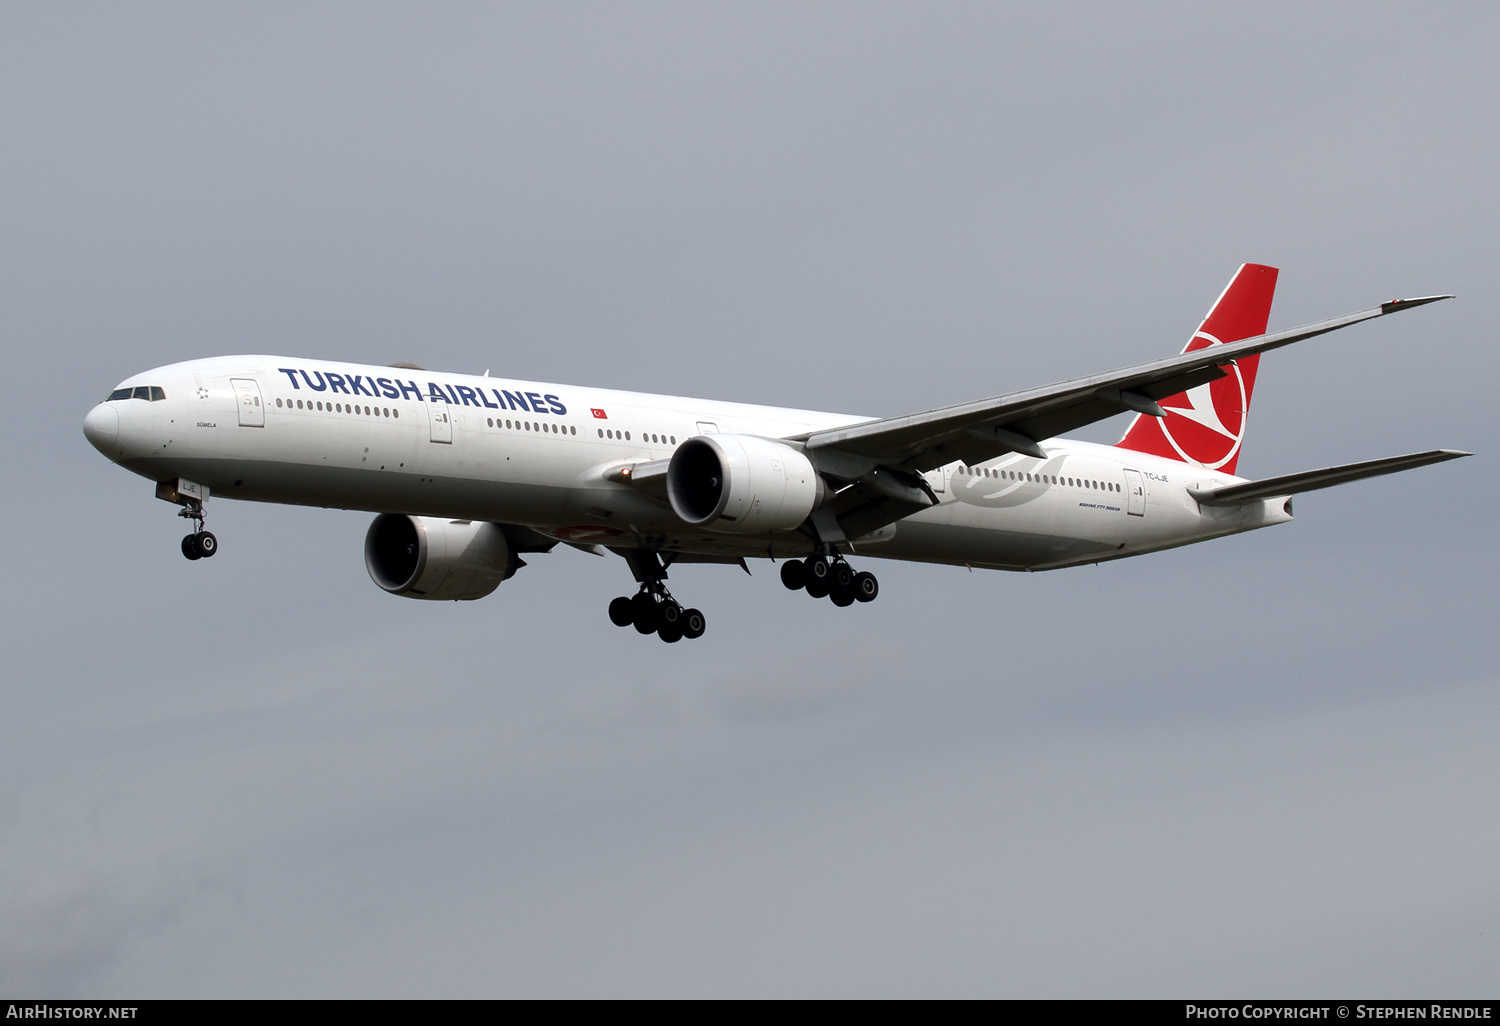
[{"x": 1205, "y": 425}]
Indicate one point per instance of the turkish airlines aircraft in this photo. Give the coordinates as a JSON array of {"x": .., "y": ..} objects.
[{"x": 468, "y": 473}]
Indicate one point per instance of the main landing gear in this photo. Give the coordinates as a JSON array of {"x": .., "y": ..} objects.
[
  {"x": 200, "y": 544},
  {"x": 832, "y": 578},
  {"x": 653, "y": 610}
]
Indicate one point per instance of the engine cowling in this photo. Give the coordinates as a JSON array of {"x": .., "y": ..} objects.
[
  {"x": 742, "y": 484},
  {"x": 433, "y": 558}
]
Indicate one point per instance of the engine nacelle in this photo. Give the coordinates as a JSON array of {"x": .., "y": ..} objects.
[
  {"x": 742, "y": 484},
  {"x": 432, "y": 558}
]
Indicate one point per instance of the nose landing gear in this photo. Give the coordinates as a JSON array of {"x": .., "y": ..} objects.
[
  {"x": 192, "y": 497},
  {"x": 200, "y": 544},
  {"x": 834, "y": 579}
]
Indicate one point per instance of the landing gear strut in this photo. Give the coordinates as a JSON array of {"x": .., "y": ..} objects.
[
  {"x": 653, "y": 610},
  {"x": 200, "y": 544},
  {"x": 833, "y": 578}
]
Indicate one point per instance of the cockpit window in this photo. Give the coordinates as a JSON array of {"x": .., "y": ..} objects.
[{"x": 151, "y": 393}]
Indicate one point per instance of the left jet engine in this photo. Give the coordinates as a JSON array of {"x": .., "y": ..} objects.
[{"x": 433, "y": 558}]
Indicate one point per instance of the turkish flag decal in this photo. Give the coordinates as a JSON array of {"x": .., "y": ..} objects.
[{"x": 599, "y": 415}]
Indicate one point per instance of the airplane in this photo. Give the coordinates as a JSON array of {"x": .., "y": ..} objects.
[{"x": 466, "y": 474}]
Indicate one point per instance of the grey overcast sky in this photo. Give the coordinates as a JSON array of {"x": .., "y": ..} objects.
[{"x": 1262, "y": 766}]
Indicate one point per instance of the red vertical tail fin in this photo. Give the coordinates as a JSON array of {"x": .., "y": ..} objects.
[{"x": 1205, "y": 425}]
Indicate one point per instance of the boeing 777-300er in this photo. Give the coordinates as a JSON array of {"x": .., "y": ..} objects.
[{"x": 467, "y": 473}]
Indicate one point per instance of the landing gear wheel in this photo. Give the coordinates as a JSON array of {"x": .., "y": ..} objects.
[
  {"x": 842, "y": 596},
  {"x": 669, "y": 613},
  {"x": 692, "y": 623},
  {"x": 643, "y": 608},
  {"x": 621, "y": 613},
  {"x": 190, "y": 546},
  {"x": 819, "y": 577},
  {"x": 843, "y": 577},
  {"x": 671, "y": 633},
  {"x": 866, "y": 587},
  {"x": 794, "y": 574},
  {"x": 207, "y": 544}
]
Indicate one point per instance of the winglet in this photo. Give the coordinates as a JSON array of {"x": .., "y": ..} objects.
[{"x": 1407, "y": 304}]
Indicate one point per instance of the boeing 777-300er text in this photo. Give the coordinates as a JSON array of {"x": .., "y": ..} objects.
[{"x": 466, "y": 474}]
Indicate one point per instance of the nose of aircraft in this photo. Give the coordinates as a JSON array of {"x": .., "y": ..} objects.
[{"x": 102, "y": 427}]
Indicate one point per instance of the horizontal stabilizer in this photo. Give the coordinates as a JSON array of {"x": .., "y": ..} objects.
[{"x": 1291, "y": 484}]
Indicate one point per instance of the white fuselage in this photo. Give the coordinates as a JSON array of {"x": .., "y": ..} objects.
[{"x": 526, "y": 453}]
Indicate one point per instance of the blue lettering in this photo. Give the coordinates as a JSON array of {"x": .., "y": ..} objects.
[
  {"x": 537, "y": 406},
  {"x": 451, "y": 396},
  {"x": 556, "y": 404},
  {"x": 409, "y": 388},
  {"x": 354, "y": 383},
  {"x": 517, "y": 402},
  {"x": 490, "y": 404},
  {"x": 290, "y": 374},
  {"x": 435, "y": 394},
  {"x": 467, "y": 395},
  {"x": 388, "y": 388},
  {"x": 321, "y": 386},
  {"x": 336, "y": 382}
]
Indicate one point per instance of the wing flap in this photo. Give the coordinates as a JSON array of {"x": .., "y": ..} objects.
[{"x": 1291, "y": 484}]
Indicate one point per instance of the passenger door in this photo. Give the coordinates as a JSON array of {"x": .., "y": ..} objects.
[
  {"x": 247, "y": 401},
  {"x": 442, "y": 422},
  {"x": 1135, "y": 493}
]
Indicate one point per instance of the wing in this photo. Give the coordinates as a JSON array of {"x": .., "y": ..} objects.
[{"x": 982, "y": 430}]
